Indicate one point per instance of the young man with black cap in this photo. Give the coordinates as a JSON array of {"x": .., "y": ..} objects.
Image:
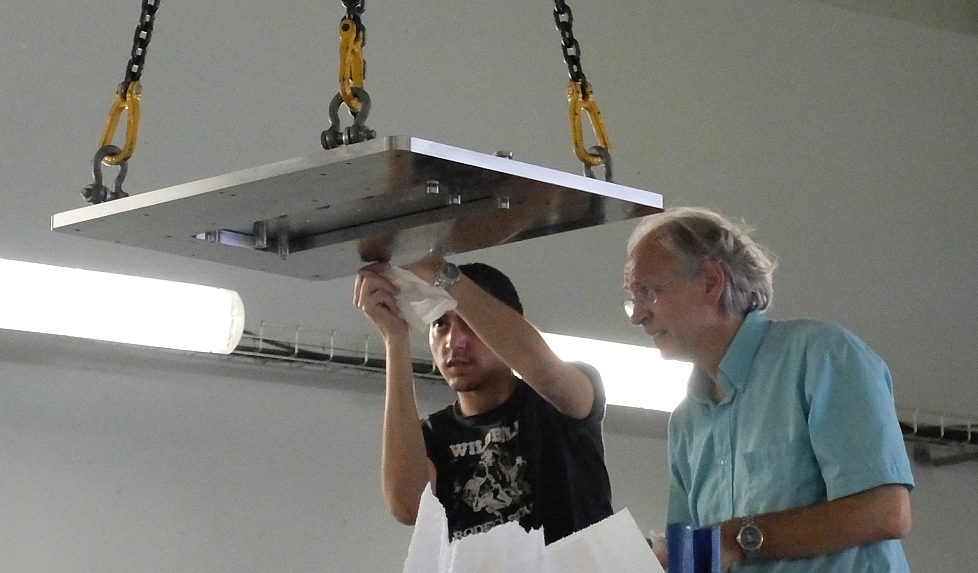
[{"x": 526, "y": 449}]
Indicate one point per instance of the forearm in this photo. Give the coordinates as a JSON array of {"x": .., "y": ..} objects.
[
  {"x": 517, "y": 343},
  {"x": 860, "y": 519},
  {"x": 503, "y": 329},
  {"x": 404, "y": 461},
  {"x": 520, "y": 345}
]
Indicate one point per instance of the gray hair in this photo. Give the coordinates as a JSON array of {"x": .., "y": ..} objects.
[{"x": 695, "y": 235}]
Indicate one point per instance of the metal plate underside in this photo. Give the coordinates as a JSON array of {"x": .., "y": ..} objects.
[{"x": 325, "y": 215}]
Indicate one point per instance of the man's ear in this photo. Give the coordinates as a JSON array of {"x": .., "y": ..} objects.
[{"x": 714, "y": 280}]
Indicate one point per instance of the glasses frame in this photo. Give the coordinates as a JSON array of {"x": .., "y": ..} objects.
[{"x": 646, "y": 295}]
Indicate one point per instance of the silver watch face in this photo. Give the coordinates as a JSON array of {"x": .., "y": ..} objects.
[
  {"x": 448, "y": 275},
  {"x": 750, "y": 537}
]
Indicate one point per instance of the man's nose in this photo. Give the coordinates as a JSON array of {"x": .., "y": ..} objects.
[
  {"x": 639, "y": 314},
  {"x": 458, "y": 336}
]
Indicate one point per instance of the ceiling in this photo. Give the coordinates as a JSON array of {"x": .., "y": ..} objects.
[
  {"x": 954, "y": 15},
  {"x": 844, "y": 135}
]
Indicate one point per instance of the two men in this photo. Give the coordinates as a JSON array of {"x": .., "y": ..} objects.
[
  {"x": 525, "y": 449},
  {"x": 788, "y": 438}
]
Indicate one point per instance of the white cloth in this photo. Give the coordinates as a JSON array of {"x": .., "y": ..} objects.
[
  {"x": 419, "y": 302},
  {"x": 613, "y": 545}
]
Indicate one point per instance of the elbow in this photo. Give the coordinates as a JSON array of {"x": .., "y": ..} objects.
[
  {"x": 402, "y": 492},
  {"x": 900, "y": 524},
  {"x": 898, "y": 520},
  {"x": 405, "y": 515},
  {"x": 404, "y": 508}
]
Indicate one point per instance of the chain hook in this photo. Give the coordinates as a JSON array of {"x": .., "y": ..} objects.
[
  {"x": 127, "y": 98},
  {"x": 334, "y": 136},
  {"x": 579, "y": 94},
  {"x": 96, "y": 192},
  {"x": 585, "y": 102},
  {"x": 351, "y": 62}
]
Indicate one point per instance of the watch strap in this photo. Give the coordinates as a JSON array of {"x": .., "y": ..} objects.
[{"x": 750, "y": 537}]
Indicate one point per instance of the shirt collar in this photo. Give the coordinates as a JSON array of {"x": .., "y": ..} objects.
[{"x": 736, "y": 363}]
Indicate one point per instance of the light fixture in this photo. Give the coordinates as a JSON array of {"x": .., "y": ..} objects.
[
  {"x": 119, "y": 308},
  {"x": 633, "y": 376}
]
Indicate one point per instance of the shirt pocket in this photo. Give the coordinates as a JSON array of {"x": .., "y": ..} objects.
[{"x": 782, "y": 476}]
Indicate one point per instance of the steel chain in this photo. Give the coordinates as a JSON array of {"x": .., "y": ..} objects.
[
  {"x": 354, "y": 9},
  {"x": 564, "y": 18},
  {"x": 335, "y": 135},
  {"x": 140, "y": 43}
]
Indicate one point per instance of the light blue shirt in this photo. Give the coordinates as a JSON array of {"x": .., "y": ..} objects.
[{"x": 808, "y": 417}]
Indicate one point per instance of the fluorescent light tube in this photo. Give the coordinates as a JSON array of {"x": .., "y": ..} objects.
[
  {"x": 119, "y": 308},
  {"x": 633, "y": 375}
]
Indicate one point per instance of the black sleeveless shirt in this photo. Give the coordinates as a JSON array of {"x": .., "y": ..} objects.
[{"x": 522, "y": 461}]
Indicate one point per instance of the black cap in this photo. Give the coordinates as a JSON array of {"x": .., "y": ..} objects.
[{"x": 494, "y": 282}]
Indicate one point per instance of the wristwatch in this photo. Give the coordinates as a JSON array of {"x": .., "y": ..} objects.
[
  {"x": 446, "y": 275},
  {"x": 750, "y": 537}
]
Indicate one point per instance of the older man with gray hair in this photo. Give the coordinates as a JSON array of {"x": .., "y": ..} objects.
[{"x": 788, "y": 438}]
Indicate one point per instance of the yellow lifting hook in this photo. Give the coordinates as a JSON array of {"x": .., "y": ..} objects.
[
  {"x": 585, "y": 102},
  {"x": 351, "y": 63},
  {"x": 127, "y": 99}
]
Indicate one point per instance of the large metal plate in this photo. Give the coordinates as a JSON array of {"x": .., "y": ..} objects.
[{"x": 324, "y": 215}]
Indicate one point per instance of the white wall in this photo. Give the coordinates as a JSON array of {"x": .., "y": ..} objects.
[
  {"x": 121, "y": 460},
  {"x": 133, "y": 460},
  {"x": 846, "y": 138}
]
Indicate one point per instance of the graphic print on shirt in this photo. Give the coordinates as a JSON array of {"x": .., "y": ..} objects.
[{"x": 495, "y": 487}]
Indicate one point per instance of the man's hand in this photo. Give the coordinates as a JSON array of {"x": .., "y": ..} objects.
[
  {"x": 731, "y": 552},
  {"x": 660, "y": 548},
  {"x": 375, "y": 297}
]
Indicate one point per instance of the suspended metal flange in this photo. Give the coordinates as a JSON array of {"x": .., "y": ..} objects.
[{"x": 324, "y": 215}]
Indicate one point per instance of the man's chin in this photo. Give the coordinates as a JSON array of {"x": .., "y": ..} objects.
[
  {"x": 656, "y": 340},
  {"x": 463, "y": 383},
  {"x": 665, "y": 350}
]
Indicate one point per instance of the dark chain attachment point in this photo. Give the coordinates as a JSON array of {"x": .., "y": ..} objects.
[
  {"x": 96, "y": 192},
  {"x": 355, "y": 9},
  {"x": 564, "y": 19},
  {"x": 580, "y": 97},
  {"x": 127, "y": 98},
  {"x": 334, "y": 136},
  {"x": 605, "y": 156},
  {"x": 140, "y": 43}
]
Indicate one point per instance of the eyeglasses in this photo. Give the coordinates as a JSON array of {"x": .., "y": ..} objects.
[{"x": 645, "y": 295}]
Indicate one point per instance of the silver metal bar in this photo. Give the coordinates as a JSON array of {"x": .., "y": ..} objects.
[{"x": 325, "y": 215}]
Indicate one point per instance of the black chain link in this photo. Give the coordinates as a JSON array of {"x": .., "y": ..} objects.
[
  {"x": 140, "y": 43},
  {"x": 564, "y": 18},
  {"x": 354, "y": 9}
]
